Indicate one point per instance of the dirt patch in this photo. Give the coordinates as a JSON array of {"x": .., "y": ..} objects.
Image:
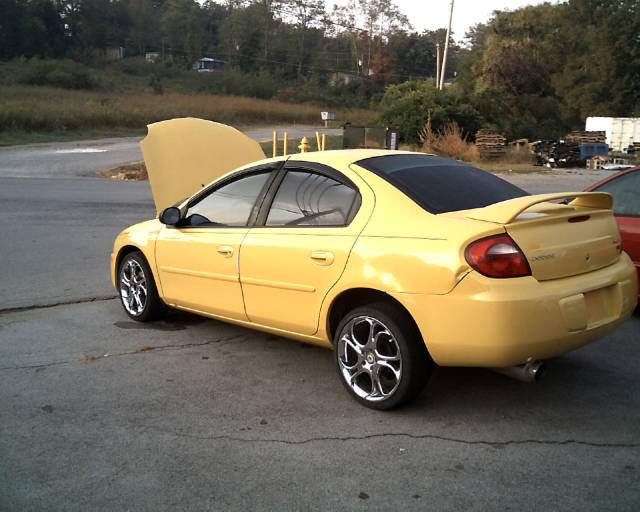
[{"x": 134, "y": 172}]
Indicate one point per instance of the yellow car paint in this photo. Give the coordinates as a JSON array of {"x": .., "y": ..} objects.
[
  {"x": 287, "y": 280},
  {"x": 199, "y": 269},
  {"x": 506, "y": 212}
]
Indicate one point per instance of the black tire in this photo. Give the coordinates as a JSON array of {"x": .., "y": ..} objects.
[
  {"x": 358, "y": 365},
  {"x": 144, "y": 286}
]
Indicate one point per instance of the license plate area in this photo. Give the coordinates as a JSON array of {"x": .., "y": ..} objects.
[{"x": 602, "y": 305}]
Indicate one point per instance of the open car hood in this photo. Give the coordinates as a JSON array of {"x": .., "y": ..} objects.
[{"x": 183, "y": 155}]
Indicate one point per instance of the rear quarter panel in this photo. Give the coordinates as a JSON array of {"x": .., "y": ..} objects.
[{"x": 405, "y": 250}]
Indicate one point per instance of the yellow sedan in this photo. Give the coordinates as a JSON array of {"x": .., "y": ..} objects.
[{"x": 398, "y": 261}]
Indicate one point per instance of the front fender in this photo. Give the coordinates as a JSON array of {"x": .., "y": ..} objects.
[{"x": 141, "y": 237}]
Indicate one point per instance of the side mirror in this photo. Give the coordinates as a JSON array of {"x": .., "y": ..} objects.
[{"x": 171, "y": 216}]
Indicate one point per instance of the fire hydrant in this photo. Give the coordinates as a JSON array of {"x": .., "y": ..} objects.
[{"x": 304, "y": 145}]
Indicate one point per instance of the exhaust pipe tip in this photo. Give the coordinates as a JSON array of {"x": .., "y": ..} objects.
[
  {"x": 533, "y": 371},
  {"x": 536, "y": 370}
]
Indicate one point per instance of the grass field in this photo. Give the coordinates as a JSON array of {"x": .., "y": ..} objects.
[{"x": 38, "y": 114}]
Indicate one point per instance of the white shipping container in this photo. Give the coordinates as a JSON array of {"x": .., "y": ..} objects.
[{"x": 621, "y": 131}]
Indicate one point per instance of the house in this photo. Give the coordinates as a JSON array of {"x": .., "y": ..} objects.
[
  {"x": 343, "y": 78},
  {"x": 207, "y": 64},
  {"x": 152, "y": 56},
  {"x": 114, "y": 52}
]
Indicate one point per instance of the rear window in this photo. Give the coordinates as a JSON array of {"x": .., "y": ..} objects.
[{"x": 441, "y": 185}]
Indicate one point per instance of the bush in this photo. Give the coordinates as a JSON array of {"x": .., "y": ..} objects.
[
  {"x": 356, "y": 94},
  {"x": 231, "y": 81},
  {"x": 156, "y": 85},
  {"x": 136, "y": 66},
  {"x": 261, "y": 85},
  {"x": 410, "y": 105},
  {"x": 450, "y": 142},
  {"x": 65, "y": 74}
]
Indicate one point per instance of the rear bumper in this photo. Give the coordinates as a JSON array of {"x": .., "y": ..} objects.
[{"x": 495, "y": 323}]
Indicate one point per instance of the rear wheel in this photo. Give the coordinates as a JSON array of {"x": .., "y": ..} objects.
[
  {"x": 380, "y": 356},
  {"x": 138, "y": 292}
]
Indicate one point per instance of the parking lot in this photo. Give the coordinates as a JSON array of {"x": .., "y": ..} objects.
[{"x": 98, "y": 412}]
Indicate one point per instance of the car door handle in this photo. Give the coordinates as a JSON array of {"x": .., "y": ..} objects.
[
  {"x": 225, "y": 250},
  {"x": 322, "y": 257}
]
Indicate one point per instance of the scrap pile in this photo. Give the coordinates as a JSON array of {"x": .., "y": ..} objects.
[
  {"x": 490, "y": 144},
  {"x": 566, "y": 152},
  {"x": 634, "y": 148},
  {"x": 556, "y": 153}
]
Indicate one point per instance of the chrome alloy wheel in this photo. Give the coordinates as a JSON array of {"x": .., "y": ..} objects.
[
  {"x": 133, "y": 287},
  {"x": 369, "y": 358}
]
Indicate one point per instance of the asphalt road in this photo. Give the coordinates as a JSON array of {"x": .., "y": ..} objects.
[
  {"x": 87, "y": 157},
  {"x": 101, "y": 413}
]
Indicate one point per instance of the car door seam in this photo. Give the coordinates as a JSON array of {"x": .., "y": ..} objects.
[{"x": 346, "y": 263}]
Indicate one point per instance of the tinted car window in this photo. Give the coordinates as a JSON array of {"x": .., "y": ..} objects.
[
  {"x": 229, "y": 205},
  {"x": 309, "y": 199},
  {"x": 626, "y": 194},
  {"x": 441, "y": 185}
]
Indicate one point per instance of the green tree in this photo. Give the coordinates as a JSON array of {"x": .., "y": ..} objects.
[
  {"x": 369, "y": 25},
  {"x": 183, "y": 30},
  {"x": 144, "y": 32},
  {"x": 242, "y": 35},
  {"x": 31, "y": 28},
  {"x": 409, "y": 105},
  {"x": 306, "y": 15},
  {"x": 602, "y": 72}
]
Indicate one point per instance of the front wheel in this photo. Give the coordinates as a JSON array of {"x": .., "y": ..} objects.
[
  {"x": 380, "y": 356},
  {"x": 138, "y": 292}
]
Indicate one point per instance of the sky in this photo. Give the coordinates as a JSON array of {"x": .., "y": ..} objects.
[{"x": 433, "y": 14}]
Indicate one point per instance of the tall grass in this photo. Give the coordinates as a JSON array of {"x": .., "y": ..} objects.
[
  {"x": 450, "y": 142},
  {"x": 44, "y": 109}
]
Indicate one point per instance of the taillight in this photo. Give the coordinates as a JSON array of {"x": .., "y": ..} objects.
[{"x": 497, "y": 256}]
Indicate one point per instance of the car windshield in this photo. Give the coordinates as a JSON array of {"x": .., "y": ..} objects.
[{"x": 441, "y": 185}]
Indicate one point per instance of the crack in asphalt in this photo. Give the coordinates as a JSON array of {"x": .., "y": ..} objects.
[
  {"x": 18, "y": 309},
  {"x": 141, "y": 350},
  {"x": 493, "y": 444}
]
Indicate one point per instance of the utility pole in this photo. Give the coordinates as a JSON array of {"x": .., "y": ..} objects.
[
  {"x": 437, "y": 65},
  {"x": 446, "y": 48}
]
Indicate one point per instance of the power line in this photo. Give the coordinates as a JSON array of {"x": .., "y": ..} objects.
[{"x": 308, "y": 67}]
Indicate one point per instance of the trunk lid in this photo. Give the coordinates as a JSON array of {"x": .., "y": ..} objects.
[
  {"x": 558, "y": 240},
  {"x": 183, "y": 155}
]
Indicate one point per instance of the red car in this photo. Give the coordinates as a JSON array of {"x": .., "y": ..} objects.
[{"x": 625, "y": 189}]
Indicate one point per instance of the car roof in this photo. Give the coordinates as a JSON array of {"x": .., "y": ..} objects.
[
  {"x": 341, "y": 158},
  {"x": 613, "y": 177}
]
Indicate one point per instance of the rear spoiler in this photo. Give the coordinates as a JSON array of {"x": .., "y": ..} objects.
[{"x": 506, "y": 212}]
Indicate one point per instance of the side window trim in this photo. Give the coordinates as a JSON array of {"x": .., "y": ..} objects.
[
  {"x": 312, "y": 168},
  {"x": 271, "y": 168},
  {"x": 267, "y": 199},
  {"x": 201, "y": 194}
]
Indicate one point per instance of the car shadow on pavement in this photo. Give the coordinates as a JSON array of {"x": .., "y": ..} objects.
[
  {"x": 174, "y": 321},
  {"x": 574, "y": 392}
]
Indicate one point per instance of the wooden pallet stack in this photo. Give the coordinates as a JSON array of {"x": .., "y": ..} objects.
[
  {"x": 490, "y": 144},
  {"x": 576, "y": 138}
]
